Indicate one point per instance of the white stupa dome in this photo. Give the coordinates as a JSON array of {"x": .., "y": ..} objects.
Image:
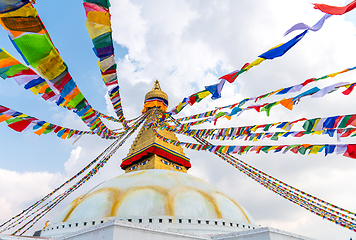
[{"x": 155, "y": 196}]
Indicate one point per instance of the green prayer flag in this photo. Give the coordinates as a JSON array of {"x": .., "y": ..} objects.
[
  {"x": 302, "y": 150},
  {"x": 103, "y": 40},
  {"x": 76, "y": 100},
  {"x": 267, "y": 127},
  {"x": 268, "y": 108},
  {"x": 266, "y": 148},
  {"x": 309, "y": 124},
  {"x": 34, "y": 47},
  {"x": 275, "y": 137},
  {"x": 344, "y": 121}
]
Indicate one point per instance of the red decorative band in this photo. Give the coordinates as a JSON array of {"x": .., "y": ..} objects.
[{"x": 160, "y": 151}]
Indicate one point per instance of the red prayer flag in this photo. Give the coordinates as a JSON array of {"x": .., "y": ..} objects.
[
  {"x": 299, "y": 134},
  {"x": 308, "y": 81},
  {"x": 56, "y": 130},
  {"x": 349, "y": 90},
  {"x": 48, "y": 95},
  {"x": 258, "y": 108},
  {"x": 295, "y": 149},
  {"x": 351, "y": 121},
  {"x": 3, "y": 109},
  {"x": 338, "y": 119},
  {"x": 109, "y": 71},
  {"x": 335, "y": 10},
  {"x": 19, "y": 126},
  {"x": 25, "y": 72},
  {"x": 231, "y": 76},
  {"x": 192, "y": 100},
  {"x": 351, "y": 151}
]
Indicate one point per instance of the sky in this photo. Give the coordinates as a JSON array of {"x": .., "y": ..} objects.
[{"x": 187, "y": 45}]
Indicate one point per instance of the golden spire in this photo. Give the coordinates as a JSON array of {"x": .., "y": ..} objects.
[
  {"x": 156, "y": 98},
  {"x": 150, "y": 152},
  {"x": 156, "y": 92}
]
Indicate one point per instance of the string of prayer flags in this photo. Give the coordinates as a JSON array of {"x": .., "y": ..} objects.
[
  {"x": 303, "y": 26},
  {"x": 287, "y": 103},
  {"x": 32, "y": 40},
  {"x": 21, "y": 216},
  {"x": 290, "y": 102},
  {"x": 44, "y": 209},
  {"x": 289, "y": 192},
  {"x": 41, "y": 86},
  {"x": 197, "y": 116},
  {"x": 311, "y": 203},
  {"x": 315, "y": 205},
  {"x": 244, "y": 133},
  {"x": 348, "y": 150},
  {"x": 191, "y": 100},
  {"x": 99, "y": 29},
  {"x": 335, "y": 10},
  {"x": 272, "y": 53},
  {"x": 326, "y": 125},
  {"x": 282, "y": 91},
  {"x": 21, "y": 122}
]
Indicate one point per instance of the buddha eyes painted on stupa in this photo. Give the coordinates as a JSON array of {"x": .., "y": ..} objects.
[
  {"x": 144, "y": 162},
  {"x": 177, "y": 167},
  {"x": 165, "y": 162},
  {"x": 133, "y": 167}
]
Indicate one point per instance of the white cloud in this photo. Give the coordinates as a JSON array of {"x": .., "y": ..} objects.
[
  {"x": 20, "y": 190},
  {"x": 74, "y": 156}
]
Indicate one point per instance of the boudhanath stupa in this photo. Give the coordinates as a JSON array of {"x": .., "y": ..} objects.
[{"x": 155, "y": 199}]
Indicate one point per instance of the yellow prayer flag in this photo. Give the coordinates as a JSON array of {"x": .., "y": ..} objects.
[
  {"x": 204, "y": 94},
  {"x": 254, "y": 128},
  {"x": 315, "y": 149},
  {"x": 51, "y": 66},
  {"x": 22, "y": 116},
  {"x": 96, "y": 30},
  {"x": 254, "y": 63},
  {"x": 102, "y": 18},
  {"x": 272, "y": 148},
  {"x": 26, "y": 11}
]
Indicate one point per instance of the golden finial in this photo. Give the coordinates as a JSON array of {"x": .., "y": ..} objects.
[{"x": 156, "y": 92}]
